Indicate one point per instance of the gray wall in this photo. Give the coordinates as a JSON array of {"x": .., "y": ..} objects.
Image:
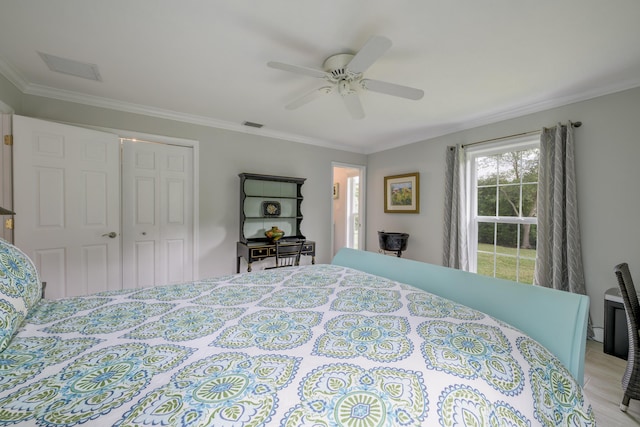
[{"x": 608, "y": 174}]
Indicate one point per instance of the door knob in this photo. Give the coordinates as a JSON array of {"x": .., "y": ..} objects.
[{"x": 111, "y": 235}]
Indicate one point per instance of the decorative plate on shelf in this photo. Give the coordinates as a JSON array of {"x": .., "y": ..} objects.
[{"x": 270, "y": 208}]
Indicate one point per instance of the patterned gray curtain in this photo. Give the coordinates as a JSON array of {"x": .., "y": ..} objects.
[
  {"x": 559, "y": 253},
  {"x": 455, "y": 253}
]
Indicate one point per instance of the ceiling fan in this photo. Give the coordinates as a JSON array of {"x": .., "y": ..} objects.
[{"x": 344, "y": 72}]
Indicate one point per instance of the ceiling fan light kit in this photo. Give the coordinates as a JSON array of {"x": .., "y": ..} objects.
[{"x": 345, "y": 71}]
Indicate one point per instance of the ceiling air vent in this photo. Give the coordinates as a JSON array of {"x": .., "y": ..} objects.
[
  {"x": 253, "y": 125},
  {"x": 71, "y": 67}
]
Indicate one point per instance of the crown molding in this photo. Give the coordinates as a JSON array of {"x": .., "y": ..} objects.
[
  {"x": 101, "y": 102},
  {"x": 13, "y": 75}
]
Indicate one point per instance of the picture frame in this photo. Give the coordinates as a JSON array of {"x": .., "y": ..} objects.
[
  {"x": 402, "y": 193},
  {"x": 271, "y": 208},
  {"x": 336, "y": 190}
]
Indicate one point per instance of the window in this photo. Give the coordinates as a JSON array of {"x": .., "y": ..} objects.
[{"x": 503, "y": 223}]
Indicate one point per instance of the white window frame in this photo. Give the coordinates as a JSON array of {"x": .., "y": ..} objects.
[{"x": 488, "y": 149}]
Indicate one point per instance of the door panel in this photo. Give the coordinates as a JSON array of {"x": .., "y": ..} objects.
[
  {"x": 67, "y": 187},
  {"x": 157, "y": 214}
]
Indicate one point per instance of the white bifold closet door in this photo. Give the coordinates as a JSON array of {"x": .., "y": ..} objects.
[
  {"x": 91, "y": 225},
  {"x": 66, "y": 184},
  {"x": 157, "y": 214}
]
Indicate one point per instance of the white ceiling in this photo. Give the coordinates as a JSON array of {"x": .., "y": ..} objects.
[{"x": 205, "y": 61}]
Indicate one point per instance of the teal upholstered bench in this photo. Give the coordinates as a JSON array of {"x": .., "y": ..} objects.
[{"x": 556, "y": 319}]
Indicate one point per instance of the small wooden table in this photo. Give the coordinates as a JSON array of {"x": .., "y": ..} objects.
[{"x": 257, "y": 251}]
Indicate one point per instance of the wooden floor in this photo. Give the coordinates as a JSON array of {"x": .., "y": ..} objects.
[{"x": 602, "y": 375}]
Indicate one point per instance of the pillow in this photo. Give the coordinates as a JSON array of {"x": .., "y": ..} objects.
[{"x": 20, "y": 290}]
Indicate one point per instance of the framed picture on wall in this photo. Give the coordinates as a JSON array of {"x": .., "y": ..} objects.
[{"x": 402, "y": 193}]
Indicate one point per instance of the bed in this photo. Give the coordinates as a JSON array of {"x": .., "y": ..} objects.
[{"x": 316, "y": 345}]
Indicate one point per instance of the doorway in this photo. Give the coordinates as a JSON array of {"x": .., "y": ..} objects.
[{"x": 348, "y": 208}]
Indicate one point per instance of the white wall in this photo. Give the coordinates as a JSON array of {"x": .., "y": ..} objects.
[{"x": 608, "y": 174}]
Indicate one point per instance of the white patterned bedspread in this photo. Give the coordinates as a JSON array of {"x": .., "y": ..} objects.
[{"x": 315, "y": 345}]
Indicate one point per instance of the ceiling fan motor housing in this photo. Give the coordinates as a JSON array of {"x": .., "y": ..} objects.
[{"x": 336, "y": 65}]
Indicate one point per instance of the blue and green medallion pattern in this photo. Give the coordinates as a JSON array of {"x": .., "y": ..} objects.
[
  {"x": 92, "y": 385},
  {"x": 233, "y": 295},
  {"x": 302, "y": 346},
  {"x": 229, "y": 389},
  {"x": 462, "y": 405},
  {"x": 361, "y": 299},
  {"x": 378, "y": 338},
  {"x": 185, "y": 324},
  {"x": 368, "y": 281},
  {"x": 316, "y": 278},
  {"x": 173, "y": 292},
  {"x": 20, "y": 290},
  {"x": 556, "y": 395},
  {"x": 26, "y": 357},
  {"x": 110, "y": 318},
  {"x": 297, "y": 298},
  {"x": 54, "y": 310},
  {"x": 264, "y": 277},
  {"x": 472, "y": 350},
  {"x": 423, "y": 304},
  {"x": 270, "y": 330},
  {"x": 348, "y": 395},
  {"x": 18, "y": 276}
]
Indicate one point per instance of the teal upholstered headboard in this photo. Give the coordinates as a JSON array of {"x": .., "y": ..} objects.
[{"x": 556, "y": 319}]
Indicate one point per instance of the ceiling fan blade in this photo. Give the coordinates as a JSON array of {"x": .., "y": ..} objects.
[
  {"x": 298, "y": 69},
  {"x": 352, "y": 102},
  {"x": 392, "y": 89},
  {"x": 305, "y": 99},
  {"x": 373, "y": 49}
]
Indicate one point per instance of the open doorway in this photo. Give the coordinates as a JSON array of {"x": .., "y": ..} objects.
[{"x": 348, "y": 206}]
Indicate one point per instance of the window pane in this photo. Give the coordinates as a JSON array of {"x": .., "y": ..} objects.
[
  {"x": 486, "y": 170},
  {"x": 485, "y": 234},
  {"x": 509, "y": 202},
  {"x": 529, "y": 165},
  {"x": 529, "y": 238},
  {"x": 506, "y": 267},
  {"x": 486, "y": 249},
  {"x": 487, "y": 201},
  {"x": 485, "y": 264},
  {"x": 529, "y": 199},
  {"x": 507, "y": 239},
  {"x": 508, "y": 167}
]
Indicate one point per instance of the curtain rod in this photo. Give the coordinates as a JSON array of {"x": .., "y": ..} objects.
[{"x": 533, "y": 132}]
